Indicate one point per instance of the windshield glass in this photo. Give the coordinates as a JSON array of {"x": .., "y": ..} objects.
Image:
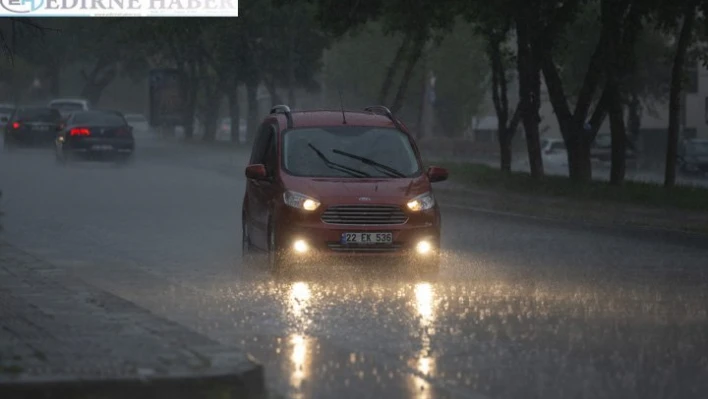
[
  {"x": 38, "y": 115},
  {"x": 67, "y": 106},
  {"x": 387, "y": 147},
  {"x": 98, "y": 118}
]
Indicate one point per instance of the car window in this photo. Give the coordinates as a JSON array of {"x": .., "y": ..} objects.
[
  {"x": 99, "y": 118},
  {"x": 38, "y": 115},
  {"x": 260, "y": 146},
  {"x": 67, "y": 106},
  {"x": 384, "y": 146}
]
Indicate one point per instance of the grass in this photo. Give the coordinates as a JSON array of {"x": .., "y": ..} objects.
[{"x": 636, "y": 193}]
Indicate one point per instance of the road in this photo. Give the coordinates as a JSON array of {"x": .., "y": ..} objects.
[{"x": 521, "y": 308}]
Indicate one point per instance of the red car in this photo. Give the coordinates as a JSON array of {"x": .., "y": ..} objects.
[{"x": 334, "y": 184}]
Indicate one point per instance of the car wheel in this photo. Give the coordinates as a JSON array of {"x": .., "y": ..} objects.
[{"x": 275, "y": 259}]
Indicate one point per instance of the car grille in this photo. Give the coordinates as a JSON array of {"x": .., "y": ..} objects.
[
  {"x": 371, "y": 215},
  {"x": 337, "y": 247}
]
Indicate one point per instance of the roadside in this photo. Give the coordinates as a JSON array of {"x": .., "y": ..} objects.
[
  {"x": 481, "y": 186},
  {"x": 62, "y": 338},
  {"x": 642, "y": 205}
]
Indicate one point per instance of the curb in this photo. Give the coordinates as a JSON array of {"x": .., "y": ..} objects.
[
  {"x": 451, "y": 199},
  {"x": 156, "y": 358},
  {"x": 249, "y": 384}
]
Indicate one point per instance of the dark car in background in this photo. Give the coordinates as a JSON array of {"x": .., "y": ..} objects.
[
  {"x": 6, "y": 111},
  {"x": 32, "y": 126},
  {"x": 95, "y": 135},
  {"x": 693, "y": 157}
]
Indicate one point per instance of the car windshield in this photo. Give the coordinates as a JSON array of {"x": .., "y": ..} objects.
[
  {"x": 98, "y": 118},
  {"x": 67, "y": 106},
  {"x": 38, "y": 115},
  {"x": 351, "y": 151}
]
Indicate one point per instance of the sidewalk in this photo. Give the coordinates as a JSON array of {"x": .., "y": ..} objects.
[{"x": 61, "y": 336}]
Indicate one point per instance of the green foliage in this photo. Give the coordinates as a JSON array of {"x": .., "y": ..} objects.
[
  {"x": 639, "y": 193},
  {"x": 357, "y": 64}
]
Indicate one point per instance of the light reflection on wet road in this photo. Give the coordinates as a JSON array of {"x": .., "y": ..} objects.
[{"x": 521, "y": 309}]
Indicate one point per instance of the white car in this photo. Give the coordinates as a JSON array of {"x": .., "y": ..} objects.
[
  {"x": 139, "y": 123},
  {"x": 554, "y": 152},
  {"x": 66, "y": 106}
]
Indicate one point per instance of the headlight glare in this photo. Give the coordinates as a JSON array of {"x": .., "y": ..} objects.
[
  {"x": 300, "y": 201},
  {"x": 422, "y": 202}
]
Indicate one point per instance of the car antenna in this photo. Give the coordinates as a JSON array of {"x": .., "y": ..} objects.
[{"x": 341, "y": 104}]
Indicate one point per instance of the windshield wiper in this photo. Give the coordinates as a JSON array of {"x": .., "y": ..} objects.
[
  {"x": 336, "y": 166},
  {"x": 385, "y": 168}
]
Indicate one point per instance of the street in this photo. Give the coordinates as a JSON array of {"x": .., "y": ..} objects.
[{"x": 521, "y": 308}]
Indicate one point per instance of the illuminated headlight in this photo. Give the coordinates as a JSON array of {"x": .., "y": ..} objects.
[
  {"x": 422, "y": 202},
  {"x": 300, "y": 246},
  {"x": 300, "y": 201},
  {"x": 423, "y": 247}
]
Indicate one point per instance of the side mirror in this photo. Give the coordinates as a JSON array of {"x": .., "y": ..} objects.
[
  {"x": 437, "y": 174},
  {"x": 256, "y": 172},
  {"x": 4, "y": 119}
]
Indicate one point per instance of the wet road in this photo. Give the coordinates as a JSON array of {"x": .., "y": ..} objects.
[{"x": 521, "y": 309}]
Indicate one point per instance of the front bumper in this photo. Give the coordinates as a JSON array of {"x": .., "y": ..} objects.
[{"x": 417, "y": 240}]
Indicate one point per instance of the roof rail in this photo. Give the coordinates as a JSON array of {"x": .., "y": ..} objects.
[
  {"x": 381, "y": 110},
  {"x": 283, "y": 109}
]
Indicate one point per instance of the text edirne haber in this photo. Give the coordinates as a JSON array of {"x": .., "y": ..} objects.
[{"x": 139, "y": 4}]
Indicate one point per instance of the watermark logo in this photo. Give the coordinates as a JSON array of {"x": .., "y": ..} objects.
[
  {"x": 21, "y": 6},
  {"x": 117, "y": 8}
]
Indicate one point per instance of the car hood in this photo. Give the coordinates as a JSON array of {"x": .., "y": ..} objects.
[{"x": 373, "y": 190}]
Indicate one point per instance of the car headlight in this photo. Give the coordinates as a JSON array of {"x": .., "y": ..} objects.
[
  {"x": 422, "y": 202},
  {"x": 300, "y": 201}
]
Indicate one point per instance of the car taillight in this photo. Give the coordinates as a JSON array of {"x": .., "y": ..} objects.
[
  {"x": 16, "y": 125},
  {"x": 79, "y": 131}
]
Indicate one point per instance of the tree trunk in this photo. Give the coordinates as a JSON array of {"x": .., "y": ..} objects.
[
  {"x": 505, "y": 127},
  {"x": 529, "y": 93},
  {"x": 413, "y": 57},
  {"x": 252, "y": 120},
  {"x": 234, "y": 114},
  {"x": 505, "y": 138},
  {"x": 273, "y": 91},
  {"x": 675, "y": 95},
  {"x": 96, "y": 83},
  {"x": 392, "y": 68},
  {"x": 634, "y": 121},
  {"x": 618, "y": 134},
  {"x": 192, "y": 96},
  {"x": 211, "y": 115}
]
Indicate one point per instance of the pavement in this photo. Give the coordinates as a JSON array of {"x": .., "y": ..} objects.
[
  {"x": 63, "y": 338},
  {"x": 522, "y": 308}
]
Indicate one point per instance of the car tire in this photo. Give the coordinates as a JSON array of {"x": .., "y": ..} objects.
[{"x": 275, "y": 258}]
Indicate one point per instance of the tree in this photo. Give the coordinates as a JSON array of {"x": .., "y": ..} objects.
[
  {"x": 494, "y": 26},
  {"x": 687, "y": 13},
  {"x": 419, "y": 22}
]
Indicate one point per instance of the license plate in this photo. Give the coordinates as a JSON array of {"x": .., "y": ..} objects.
[
  {"x": 102, "y": 148},
  {"x": 367, "y": 238}
]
